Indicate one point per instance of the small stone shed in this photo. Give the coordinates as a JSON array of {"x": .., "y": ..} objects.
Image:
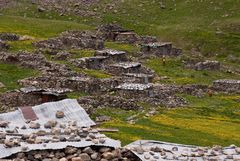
[
  {"x": 135, "y": 90},
  {"x": 46, "y": 95},
  {"x": 113, "y": 55},
  {"x": 160, "y": 49},
  {"x": 125, "y": 67},
  {"x": 95, "y": 62},
  {"x": 140, "y": 77}
]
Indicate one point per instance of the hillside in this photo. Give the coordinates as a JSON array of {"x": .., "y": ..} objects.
[{"x": 204, "y": 29}]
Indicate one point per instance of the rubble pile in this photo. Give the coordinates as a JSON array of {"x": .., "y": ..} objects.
[
  {"x": 78, "y": 154},
  {"x": 93, "y": 102},
  {"x": 3, "y": 46},
  {"x": 204, "y": 65},
  {"x": 9, "y": 37},
  {"x": 227, "y": 85},
  {"x": 37, "y": 61},
  {"x": 73, "y": 40}
]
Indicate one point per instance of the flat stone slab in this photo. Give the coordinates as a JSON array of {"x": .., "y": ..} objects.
[
  {"x": 126, "y": 65},
  {"x": 110, "y": 52},
  {"x": 134, "y": 86},
  {"x": 157, "y": 44}
]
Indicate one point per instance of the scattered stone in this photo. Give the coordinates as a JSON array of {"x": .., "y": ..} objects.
[
  {"x": 34, "y": 125},
  {"x": 85, "y": 157},
  {"x": 59, "y": 114},
  {"x": 4, "y": 124}
]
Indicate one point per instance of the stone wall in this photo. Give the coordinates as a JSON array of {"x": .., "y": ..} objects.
[
  {"x": 3, "y": 46},
  {"x": 73, "y": 40},
  {"x": 227, "y": 85}
]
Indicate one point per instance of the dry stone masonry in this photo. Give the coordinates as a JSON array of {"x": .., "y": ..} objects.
[
  {"x": 73, "y": 40},
  {"x": 227, "y": 85}
]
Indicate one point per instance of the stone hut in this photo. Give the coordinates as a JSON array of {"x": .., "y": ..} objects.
[
  {"x": 135, "y": 90},
  {"x": 139, "y": 77},
  {"x": 160, "y": 49},
  {"x": 125, "y": 67},
  {"x": 95, "y": 62},
  {"x": 113, "y": 55},
  {"x": 46, "y": 95},
  {"x": 227, "y": 85}
]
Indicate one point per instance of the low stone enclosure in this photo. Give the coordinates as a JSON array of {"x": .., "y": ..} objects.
[{"x": 63, "y": 131}]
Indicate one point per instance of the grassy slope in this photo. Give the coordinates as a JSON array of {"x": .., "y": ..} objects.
[
  {"x": 191, "y": 24},
  {"x": 206, "y": 122},
  {"x": 10, "y": 74}
]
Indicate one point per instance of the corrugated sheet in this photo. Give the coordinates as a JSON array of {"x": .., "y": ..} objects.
[
  {"x": 45, "y": 112},
  {"x": 6, "y": 152},
  {"x": 183, "y": 152}
]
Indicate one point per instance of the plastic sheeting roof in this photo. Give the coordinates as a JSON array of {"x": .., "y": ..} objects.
[
  {"x": 46, "y": 112},
  {"x": 183, "y": 152}
]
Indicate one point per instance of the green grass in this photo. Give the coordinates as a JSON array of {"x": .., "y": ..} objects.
[
  {"x": 81, "y": 53},
  {"x": 76, "y": 95},
  {"x": 26, "y": 45},
  {"x": 122, "y": 47},
  {"x": 177, "y": 73},
  {"x": 206, "y": 122},
  {"x": 10, "y": 74},
  {"x": 96, "y": 73},
  {"x": 39, "y": 28}
]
